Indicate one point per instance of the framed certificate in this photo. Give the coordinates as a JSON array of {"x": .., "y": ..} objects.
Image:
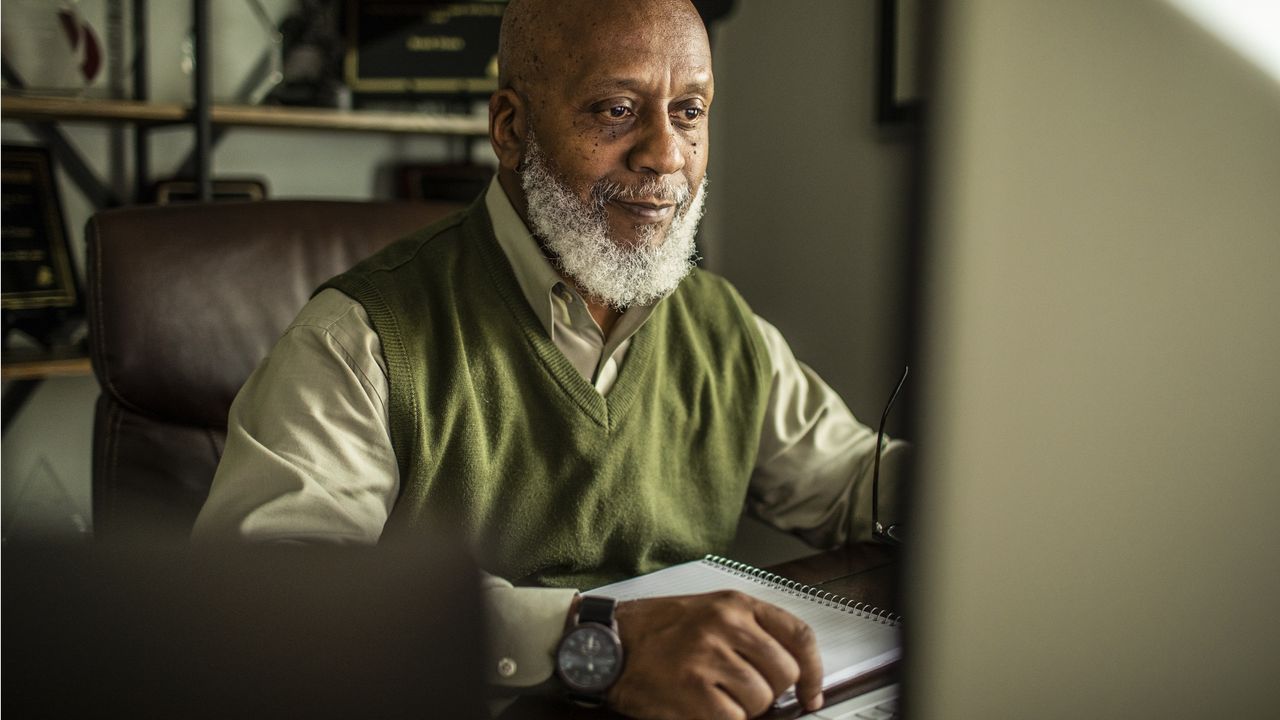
[{"x": 35, "y": 255}]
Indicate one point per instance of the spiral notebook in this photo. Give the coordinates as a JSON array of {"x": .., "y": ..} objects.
[{"x": 853, "y": 639}]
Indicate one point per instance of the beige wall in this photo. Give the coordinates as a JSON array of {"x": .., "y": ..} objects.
[{"x": 807, "y": 200}]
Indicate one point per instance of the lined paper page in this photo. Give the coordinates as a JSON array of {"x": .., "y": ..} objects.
[{"x": 851, "y": 645}]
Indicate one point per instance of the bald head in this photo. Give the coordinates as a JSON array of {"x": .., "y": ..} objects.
[{"x": 541, "y": 40}]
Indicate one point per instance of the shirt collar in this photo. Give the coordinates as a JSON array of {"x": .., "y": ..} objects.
[{"x": 533, "y": 269}]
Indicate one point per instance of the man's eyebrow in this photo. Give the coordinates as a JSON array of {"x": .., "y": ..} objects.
[{"x": 609, "y": 84}]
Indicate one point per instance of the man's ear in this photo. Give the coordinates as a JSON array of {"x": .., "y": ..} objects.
[{"x": 508, "y": 127}]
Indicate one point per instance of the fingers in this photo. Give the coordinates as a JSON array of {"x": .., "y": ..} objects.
[
  {"x": 747, "y": 686},
  {"x": 723, "y": 705},
  {"x": 719, "y": 655},
  {"x": 775, "y": 664},
  {"x": 799, "y": 641}
]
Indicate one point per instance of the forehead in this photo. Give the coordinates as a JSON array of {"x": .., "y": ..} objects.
[
  {"x": 652, "y": 73},
  {"x": 636, "y": 50}
]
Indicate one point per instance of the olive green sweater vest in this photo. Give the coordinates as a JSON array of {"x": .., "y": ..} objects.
[{"x": 499, "y": 439}]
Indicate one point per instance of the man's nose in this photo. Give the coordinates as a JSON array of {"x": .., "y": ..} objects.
[{"x": 657, "y": 149}]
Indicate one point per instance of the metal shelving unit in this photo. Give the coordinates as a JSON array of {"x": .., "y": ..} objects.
[
  {"x": 50, "y": 109},
  {"x": 42, "y": 115}
]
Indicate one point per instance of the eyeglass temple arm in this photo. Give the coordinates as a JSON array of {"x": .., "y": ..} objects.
[{"x": 875, "y": 473}]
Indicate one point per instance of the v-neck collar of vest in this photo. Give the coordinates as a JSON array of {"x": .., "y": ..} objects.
[{"x": 606, "y": 411}]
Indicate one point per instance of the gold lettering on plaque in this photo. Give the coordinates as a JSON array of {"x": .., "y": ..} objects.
[
  {"x": 24, "y": 255},
  {"x": 435, "y": 43},
  {"x": 446, "y": 14}
]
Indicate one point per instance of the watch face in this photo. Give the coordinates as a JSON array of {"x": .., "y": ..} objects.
[{"x": 590, "y": 658}]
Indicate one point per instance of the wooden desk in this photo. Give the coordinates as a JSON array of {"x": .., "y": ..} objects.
[{"x": 866, "y": 573}]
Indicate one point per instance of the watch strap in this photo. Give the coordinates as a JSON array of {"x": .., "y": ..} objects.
[
  {"x": 585, "y": 700},
  {"x": 598, "y": 610}
]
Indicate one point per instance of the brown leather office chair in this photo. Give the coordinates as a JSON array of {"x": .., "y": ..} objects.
[{"x": 184, "y": 301}]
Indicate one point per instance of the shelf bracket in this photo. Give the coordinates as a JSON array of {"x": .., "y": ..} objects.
[
  {"x": 203, "y": 101},
  {"x": 243, "y": 93},
  {"x": 16, "y": 395},
  {"x": 66, "y": 155}
]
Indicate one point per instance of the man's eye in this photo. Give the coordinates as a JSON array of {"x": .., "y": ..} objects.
[
  {"x": 692, "y": 114},
  {"x": 617, "y": 112}
]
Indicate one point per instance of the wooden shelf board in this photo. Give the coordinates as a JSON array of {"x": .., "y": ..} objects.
[
  {"x": 352, "y": 120},
  {"x": 24, "y": 107},
  {"x": 36, "y": 369}
]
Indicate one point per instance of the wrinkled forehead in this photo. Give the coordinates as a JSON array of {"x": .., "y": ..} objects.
[{"x": 639, "y": 71}]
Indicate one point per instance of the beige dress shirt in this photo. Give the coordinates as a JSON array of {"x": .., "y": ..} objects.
[{"x": 309, "y": 457}]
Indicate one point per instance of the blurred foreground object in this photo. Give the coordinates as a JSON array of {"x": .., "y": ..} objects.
[{"x": 284, "y": 631}]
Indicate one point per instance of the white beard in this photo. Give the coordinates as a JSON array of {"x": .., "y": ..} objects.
[{"x": 615, "y": 273}]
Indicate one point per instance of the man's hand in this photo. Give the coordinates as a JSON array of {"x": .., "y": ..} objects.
[{"x": 719, "y": 655}]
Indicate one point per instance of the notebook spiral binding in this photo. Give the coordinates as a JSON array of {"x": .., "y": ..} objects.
[{"x": 819, "y": 595}]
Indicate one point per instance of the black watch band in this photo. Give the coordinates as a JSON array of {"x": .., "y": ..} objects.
[
  {"x": 597, "y": 610},
  {"x": 583, "y": 700}
]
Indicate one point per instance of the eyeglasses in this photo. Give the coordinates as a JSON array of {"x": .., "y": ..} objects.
[{"x": 893, "y": 533}]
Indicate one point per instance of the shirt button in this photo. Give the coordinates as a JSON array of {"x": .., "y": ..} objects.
[{"x": 506, "y": 667}]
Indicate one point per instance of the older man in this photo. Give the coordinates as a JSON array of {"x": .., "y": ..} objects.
[{"x": 546, "y": 374}]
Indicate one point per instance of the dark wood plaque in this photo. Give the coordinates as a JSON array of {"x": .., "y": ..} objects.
[
  {"x": 416, "y": 47},
  {"x": 34, "y": 254},
  {"x": 168, "y": 192}
]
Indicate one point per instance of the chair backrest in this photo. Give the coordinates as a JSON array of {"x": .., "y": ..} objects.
[{"x": 184, "y": 302}]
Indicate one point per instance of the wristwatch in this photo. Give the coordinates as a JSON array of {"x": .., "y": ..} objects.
[{"x": 589, "y": 658}]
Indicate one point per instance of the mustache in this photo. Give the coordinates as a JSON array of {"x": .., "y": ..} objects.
[{"x": 659, "y": 189}]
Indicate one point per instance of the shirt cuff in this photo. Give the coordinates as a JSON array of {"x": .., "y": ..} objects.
[{"x": 525, "y": 626}]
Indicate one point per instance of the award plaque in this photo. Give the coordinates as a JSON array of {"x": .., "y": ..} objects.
[
  {"x": 422, "y": 47},
  {"x": 168, "y": 192},
  {"x": 35, "y": 255}
]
